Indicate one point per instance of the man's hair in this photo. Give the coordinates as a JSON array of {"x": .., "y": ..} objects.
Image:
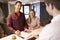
[
  {"x": 18, "y": 2},
  {"x": 56, "y": 3}
]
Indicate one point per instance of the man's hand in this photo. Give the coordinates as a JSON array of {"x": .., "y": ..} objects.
[{"x": 17, "y": 32}]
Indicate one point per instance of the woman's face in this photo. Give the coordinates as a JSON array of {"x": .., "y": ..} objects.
[{"x": 32, "y": 14}]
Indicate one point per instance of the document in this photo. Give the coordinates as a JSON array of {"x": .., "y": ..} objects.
[{"x": 25, "y": 35}]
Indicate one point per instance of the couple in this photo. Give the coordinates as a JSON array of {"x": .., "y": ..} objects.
[{"x": 16, "y": 21}]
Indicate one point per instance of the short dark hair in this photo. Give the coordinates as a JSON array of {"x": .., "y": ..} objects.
[
  {"x": 56, "y": 3},
  {"x": 18, "y": 2}
]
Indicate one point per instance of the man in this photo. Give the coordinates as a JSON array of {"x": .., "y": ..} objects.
[
  {"x": 16, "y": 20},
  {"x": 52, "y": 30}
]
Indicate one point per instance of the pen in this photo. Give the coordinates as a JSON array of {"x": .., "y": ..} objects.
[{"x": 21, "y": 37}]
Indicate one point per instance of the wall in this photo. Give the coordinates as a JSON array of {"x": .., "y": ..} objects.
[{"x": 4, "y": 7}]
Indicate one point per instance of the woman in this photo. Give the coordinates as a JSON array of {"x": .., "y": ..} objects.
[{"x": 33, "y": 21}]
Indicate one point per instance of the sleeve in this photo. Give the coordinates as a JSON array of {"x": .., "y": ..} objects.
[
  {"x": 9, "y": 24},
  {"x": 46, "y": 33},
  {"x": 38, "y": 21}
]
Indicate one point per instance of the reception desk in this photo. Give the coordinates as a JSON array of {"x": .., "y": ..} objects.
[{"x": 23, "y": 35}]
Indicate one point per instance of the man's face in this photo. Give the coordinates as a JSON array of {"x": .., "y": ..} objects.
[
  {"x": 49, "y": 9},
  {"x": 18, "y": 6}
]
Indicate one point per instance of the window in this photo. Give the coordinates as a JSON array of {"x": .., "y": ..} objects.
[
  {"x": 21, "y": 9},
  {"x": 26, "y": 11}
]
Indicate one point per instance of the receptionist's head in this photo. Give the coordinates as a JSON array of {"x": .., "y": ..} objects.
[{"x": 52, "y": 6}]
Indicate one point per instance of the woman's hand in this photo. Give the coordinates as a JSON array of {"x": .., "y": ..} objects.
[
  {"x": 31, "y": 28},
  {"x": 27, "y": 30}
]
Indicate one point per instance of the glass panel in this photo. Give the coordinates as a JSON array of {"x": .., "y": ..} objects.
[
  {"x": 21, "y": 9},
  {"x": 26, "y": 16},
  {"x": 26, "y": 9}
]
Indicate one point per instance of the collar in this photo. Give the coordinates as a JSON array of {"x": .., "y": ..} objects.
[{"x": 16, "y": 13}]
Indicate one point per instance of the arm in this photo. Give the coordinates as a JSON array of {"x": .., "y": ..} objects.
[
  {"x": 38, "y": 24},
  {"x": 9, "y": 24},
  {"x": 47, "y": 33}
]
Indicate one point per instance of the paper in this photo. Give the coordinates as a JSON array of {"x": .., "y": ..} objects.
[{"x": 25, "y": 35}]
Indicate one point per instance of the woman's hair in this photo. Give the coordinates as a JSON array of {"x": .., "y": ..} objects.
[{"x": 29, "y": 19}]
